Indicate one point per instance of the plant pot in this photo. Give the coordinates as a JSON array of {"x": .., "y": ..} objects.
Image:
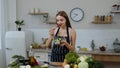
[{"x": 19, "y": 29}]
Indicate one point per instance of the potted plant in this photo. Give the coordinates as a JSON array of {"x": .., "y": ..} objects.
[
  {"x": 14, "y": 63},
  {"x": 19, "y": 23}
]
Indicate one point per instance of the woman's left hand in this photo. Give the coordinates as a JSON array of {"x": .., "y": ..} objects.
[{"x": 63, "y": 42}]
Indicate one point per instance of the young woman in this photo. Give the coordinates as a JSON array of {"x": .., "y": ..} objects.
[{"x": 63, "y": 30}]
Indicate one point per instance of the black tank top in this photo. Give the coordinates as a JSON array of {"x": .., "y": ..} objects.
[{"x": 59, "y": 52}]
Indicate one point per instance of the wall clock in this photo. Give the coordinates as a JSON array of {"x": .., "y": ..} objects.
[{"x": 76, "y": 14}]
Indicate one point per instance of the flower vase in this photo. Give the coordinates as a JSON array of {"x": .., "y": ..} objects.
[{"x": 92, "y": 45}]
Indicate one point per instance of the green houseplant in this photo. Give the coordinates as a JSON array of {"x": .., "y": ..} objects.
[
  {"x": 15, "y": 61},
  {"x": 19, "y": 23}
]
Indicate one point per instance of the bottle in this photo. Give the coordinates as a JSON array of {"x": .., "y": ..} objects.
[
  {"x": 92, "y": 45},
  {"x": 96, "y": 19},
  {"x": 31, "y": 57},
  {"x": 109, "y": 19},
  {"x": 32, "y": 60}
]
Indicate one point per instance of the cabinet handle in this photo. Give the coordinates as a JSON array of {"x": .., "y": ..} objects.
[
  {"x": 8, "y": 48},
  {"x": 37, "y": 56}
]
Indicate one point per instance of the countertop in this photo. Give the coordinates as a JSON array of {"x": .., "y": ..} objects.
[
  {"x": 108, "y": 55},
  {"x": 108, "y": 52},
  {"x": 50, "y": 66}
]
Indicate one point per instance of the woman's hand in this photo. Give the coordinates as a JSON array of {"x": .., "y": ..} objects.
[
  {"x": 63, "y": 42},
  {"x": 51, "y": 31}
]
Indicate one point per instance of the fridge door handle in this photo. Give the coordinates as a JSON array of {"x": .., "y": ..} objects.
[{"x": 8, "y": 48}]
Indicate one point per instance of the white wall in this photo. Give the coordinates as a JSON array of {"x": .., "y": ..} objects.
[
  {"x": 1, "y": 54},
  {"x": 1, "y": 59},
  {"x": 8, "y": 14},
  {"x": 84, "y": 37},
  {"x": 90, "y": 8},
  {"x": 0, "y": 24},
  {"x": 100, "y": 37},
  {"x": 0, "y": 38}
]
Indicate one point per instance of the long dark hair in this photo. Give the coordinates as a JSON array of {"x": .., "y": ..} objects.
[{"x": 64, "y": 14}]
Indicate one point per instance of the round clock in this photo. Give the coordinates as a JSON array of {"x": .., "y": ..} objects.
[{"x": 76, "y": 14}]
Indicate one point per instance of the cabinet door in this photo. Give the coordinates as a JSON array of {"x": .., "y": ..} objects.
[
  {"x": 106, "y": 58},
  {"x": 43, "y": 56}
]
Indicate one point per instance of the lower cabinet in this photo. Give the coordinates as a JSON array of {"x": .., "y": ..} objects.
[
  {"x": 41, "y": 56},
  {"x": 107, "y": 58}
]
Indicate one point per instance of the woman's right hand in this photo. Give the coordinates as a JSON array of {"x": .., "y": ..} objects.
[{"x": 51, "y": 31}]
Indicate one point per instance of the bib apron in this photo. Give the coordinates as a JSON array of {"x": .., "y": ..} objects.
[{"x": 58, "y": 52}]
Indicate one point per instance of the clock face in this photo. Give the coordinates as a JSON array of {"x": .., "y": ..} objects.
[{"x": 76, "y": 14}]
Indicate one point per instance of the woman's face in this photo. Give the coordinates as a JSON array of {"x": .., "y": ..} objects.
[{"x": 61, "y": 21}]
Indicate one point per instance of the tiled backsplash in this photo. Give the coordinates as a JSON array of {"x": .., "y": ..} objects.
[{"x": 84, "y": 37}]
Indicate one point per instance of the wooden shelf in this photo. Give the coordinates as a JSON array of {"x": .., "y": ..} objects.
[
  {"x": 41, "y": 13},
  {"x": 115, "y": 11},
  {"x": 44, "y": 14},
  {"x": 102, "y": 22},
  {"x": 51, "y": 22}
]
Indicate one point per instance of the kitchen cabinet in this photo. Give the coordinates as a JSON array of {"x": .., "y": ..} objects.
[
  {"x": 106, "y": 56},
  {"x": 41, "y": 54}
]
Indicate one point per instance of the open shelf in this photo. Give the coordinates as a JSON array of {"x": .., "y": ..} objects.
[
  {"x": 44, "y": 14},
  {"x": 101, "y": 22},
  {"x": 115, "y": 11},
  {"x": 51, "y": 22},
  {"x": 41, "y": 13}
]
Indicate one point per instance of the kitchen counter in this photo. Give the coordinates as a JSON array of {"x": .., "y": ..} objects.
[
  {"x": 107, "y": 56},
  {"x": 42, "y": 50},
  {"x": 49, "y": 65},
  {"x": 98, "y": 52}
]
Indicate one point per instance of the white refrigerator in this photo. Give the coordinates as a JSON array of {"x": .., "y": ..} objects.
[{"x": 15, "y": 44}]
